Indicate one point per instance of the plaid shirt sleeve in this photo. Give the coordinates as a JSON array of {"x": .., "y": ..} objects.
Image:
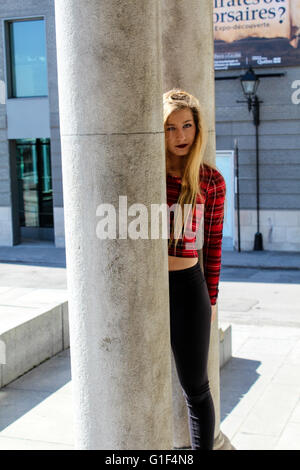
[{"x": 213, "y": 233}]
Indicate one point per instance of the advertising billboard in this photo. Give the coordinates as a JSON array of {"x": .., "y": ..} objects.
[{"x": 256, "y": 33}]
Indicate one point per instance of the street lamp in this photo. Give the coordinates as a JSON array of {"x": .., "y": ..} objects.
[{"x": 250, "y": 82}]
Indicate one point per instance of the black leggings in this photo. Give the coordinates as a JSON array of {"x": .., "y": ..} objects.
[{"x": 190, "y": 321}]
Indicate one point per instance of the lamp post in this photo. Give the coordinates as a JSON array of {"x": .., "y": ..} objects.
[{"x": 250, "y": 82}]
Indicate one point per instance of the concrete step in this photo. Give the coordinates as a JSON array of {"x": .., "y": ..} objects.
[{"x": 33, "y": 327}]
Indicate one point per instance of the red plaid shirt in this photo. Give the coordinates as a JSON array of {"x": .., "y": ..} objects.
[{"x": 213, "y": 190}]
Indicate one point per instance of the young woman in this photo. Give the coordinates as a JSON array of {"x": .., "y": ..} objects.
[{"x": 193, "y": 293}]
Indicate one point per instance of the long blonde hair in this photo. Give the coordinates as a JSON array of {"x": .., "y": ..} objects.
[{"x": 174, "y": 100}]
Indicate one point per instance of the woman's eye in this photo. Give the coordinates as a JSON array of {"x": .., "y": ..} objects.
[{"x": 171, "y": 128}]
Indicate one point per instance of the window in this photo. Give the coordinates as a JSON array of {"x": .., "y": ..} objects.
[
  {"x": 34, "y": 182},
  {"x": 26, "y": 58}
]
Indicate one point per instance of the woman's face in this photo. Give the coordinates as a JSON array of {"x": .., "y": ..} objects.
[{"x": 180, "y": 131}]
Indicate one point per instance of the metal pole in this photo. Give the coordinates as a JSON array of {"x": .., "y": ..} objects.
[
  {"x": 258, "y": 241},
  {"x": 237, "y": 190}
]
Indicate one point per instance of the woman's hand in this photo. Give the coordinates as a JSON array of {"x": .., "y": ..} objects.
[{"x": 213, "y": 312}]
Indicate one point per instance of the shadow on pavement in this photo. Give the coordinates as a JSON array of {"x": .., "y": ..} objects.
[
  {"x": 23, "y": 394},
  {"x": 237, "y": 376}
]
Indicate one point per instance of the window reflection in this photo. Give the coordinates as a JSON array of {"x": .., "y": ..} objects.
[
  {"x": 28, "y": 61},
  {"x": 34, "y": 183}
]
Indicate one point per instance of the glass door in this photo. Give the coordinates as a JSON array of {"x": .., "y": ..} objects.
[{"x": 34, "y": 183}]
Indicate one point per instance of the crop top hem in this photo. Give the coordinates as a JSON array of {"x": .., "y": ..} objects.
[{"x": 192, "y": 255}]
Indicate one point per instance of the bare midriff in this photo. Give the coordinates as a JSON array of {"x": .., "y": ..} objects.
[{"x": 176, "y": 263}]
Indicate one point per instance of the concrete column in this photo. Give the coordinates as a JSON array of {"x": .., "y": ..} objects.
[
  {"x": 110, "y": 101},
  {"x": 188, "y": 63}
]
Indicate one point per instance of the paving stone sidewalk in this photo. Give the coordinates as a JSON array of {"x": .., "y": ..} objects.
[{"x": 260, "y": 385}]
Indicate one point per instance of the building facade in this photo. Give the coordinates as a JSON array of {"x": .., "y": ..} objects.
[
  {"x": 31, "y": 199},
  {"x": 279, "y": 155},
  {"x": 31, "y": 194}
]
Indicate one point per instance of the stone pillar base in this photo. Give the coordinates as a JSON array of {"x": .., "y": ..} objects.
[{"x": 222, "y": 442}]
